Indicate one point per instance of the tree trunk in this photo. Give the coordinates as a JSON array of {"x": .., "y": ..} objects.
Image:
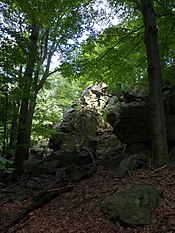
[
  {"x": 22, "y": 150},
  {"x": 31, "y": 87},
  {"x": 14, "y": 126},
  {"x": 5, "y": 124},
  {"x": 158, "y": 126},
  {"x": 22, "y": 142},
  {"x": 30, "y": 119}
]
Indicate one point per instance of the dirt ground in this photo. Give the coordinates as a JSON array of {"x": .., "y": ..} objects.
[{"x": 78, "y": 210}]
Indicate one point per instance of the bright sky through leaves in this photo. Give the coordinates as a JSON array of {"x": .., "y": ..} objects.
[{"x": 98, "y": 25}]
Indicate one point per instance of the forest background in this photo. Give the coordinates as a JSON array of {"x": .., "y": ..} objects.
[{"x": 136, "y": 52}]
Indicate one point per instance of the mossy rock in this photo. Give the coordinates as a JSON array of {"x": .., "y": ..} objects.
[
  {"x": 132, "y": 205},
  {"x": 126, "y": 166}
]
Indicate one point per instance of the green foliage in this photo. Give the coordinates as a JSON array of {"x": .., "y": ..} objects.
[
  {"x": 30, "y": 34},
  {"x": 4, "y": 165},
  {"x": 117, "y": 56},
  {"x": 57, "y": 94}
]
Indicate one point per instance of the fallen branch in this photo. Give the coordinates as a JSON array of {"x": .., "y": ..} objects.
[
  {"x": 151, "y": 173},
  {"x": 6, "y": 191},
  {"x": 39, "y": 201},
  {"x": 45, "y": 197},
  {"x": 156, "y": 170}
]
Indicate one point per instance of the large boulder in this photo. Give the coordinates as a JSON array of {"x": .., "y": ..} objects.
[
  {"x": 170, "y": 124},
  {"x": 169, "y": 99},
  {"x": 108, "y": 149},
  {"x": 55, "y": 142},
  {"x": 86, "y": 136},
  {"x": 66, "y": 158},
  {"x": 131, "y": 163},
  {"x": 86, "y": 123},
  {"x": 133, "y": 123},
  {"x": 132, "y": 205}
]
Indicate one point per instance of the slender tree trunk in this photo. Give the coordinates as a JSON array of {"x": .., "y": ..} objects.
[
  {"x": 22, "y": 143},
  {"x": 29, "y": 120},
  {"x": 30, "y": 90},
  {"x": 35, "y": 89},
  {"x": 22, "y": 150},
  {"x": 159, "y": 139},
  {"x": 5, "y": 125},
  {"x": 14, "y": 126}
]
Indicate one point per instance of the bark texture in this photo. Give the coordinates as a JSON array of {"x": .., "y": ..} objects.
[{"x": 158, "y": 128}]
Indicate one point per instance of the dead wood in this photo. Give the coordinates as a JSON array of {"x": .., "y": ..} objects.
[
  {"x": 6, "y": 191},
  {"x": 45, "y": 197},
  {"x": 38, "y": 201}
]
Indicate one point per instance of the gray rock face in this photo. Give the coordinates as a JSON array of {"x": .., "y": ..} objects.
[
  {"x": 131, "y": 163},
  {"x": 132, "y": 205},
  {"x": 170, "y": 124},
  {"x": 95, "y": 95},
  {"x": 76, "y": 132},
  {"x": 133, "y": 123},
  {"x": 66, "y": 158},
  {"x": 84, "y": 130},
  {"x": 169, "y": 100}
]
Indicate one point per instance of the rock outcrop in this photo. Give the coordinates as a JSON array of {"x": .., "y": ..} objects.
[
  {"x": 131, "y": 119},
  {"x": 84, "y": 137},
  {"x": 133, "y": 123}
]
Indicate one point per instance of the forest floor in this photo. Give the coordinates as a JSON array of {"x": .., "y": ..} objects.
[{"x": 78, "y": 210}]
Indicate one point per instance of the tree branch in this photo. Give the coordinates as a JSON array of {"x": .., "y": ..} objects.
[
  {"x": 43, "y": 54},
  {"x": 133, "y": 48},
  {"x": 165, "y": 7},
  {"x": 46, "y": 72},
  {"x": 165, "y": 14},
  {"x": 118, "y": 42},
  {"x": 53, "y": 72},
  {"x": 138, "y": 5}
]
